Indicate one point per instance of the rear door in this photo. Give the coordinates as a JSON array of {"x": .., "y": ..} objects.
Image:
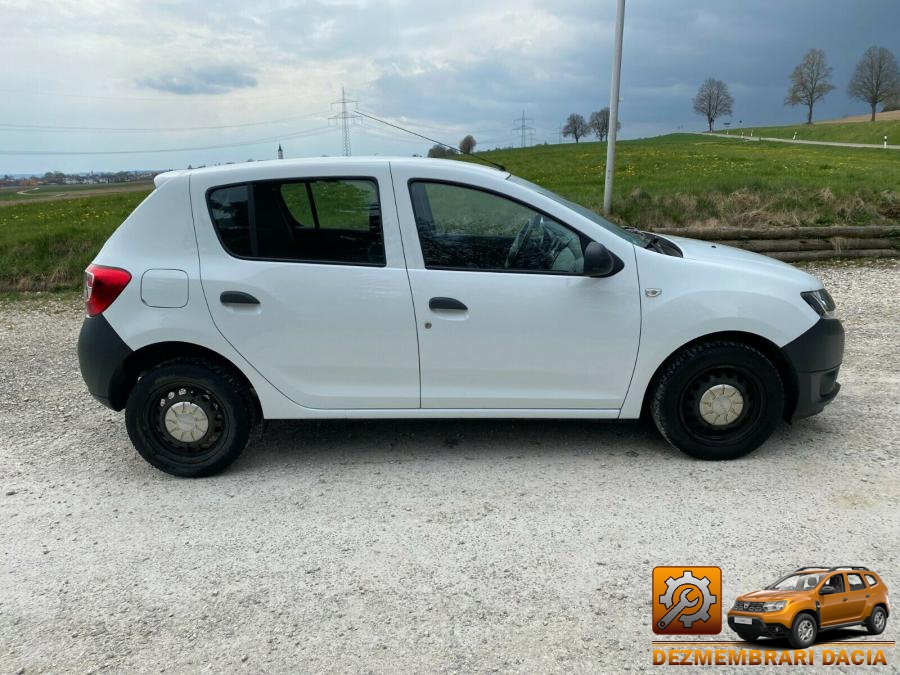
[
  {"x": 304, "y": 276},
  {"x": 858, "y": 596},
  {"x": 506, "y": 319}
]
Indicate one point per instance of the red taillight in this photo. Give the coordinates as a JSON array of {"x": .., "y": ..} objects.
[{"x": 102, "y": 285}]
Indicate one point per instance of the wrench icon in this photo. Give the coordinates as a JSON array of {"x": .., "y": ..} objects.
[{"x": 680, "y": 606}]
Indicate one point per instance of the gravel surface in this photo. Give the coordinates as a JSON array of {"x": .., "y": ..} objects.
[{"x": 414, "y": 546}]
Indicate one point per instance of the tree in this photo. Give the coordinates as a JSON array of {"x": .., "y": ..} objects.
[
  {"x": 713, "y": 100},
  {"x": 599, "y": 123},
  {"x": 467, "y": 145},
  {"x": 441, "y": 151},
  {"x": 810, "y": 81},
  {"x": 575, "y": 126},
  {"x": 876, "y": 78}
]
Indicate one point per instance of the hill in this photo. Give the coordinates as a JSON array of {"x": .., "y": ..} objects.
[
  {"x": 669, "y": 181},
  {"x": 841, "y": 131}
]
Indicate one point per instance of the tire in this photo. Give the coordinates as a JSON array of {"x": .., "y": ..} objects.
[
  {"x": 174, "y": 439},
  {"x": 803, "y": 631},
  {"x": 877, "y": 621},
  {"x": 701, "y": 379}
]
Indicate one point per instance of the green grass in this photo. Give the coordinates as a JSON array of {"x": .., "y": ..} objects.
[
  {"x": 670, "y": 181},
  {"x": 683, "y": 179},
  {"x": 847, "y": 132},
  {"x": 12, "y": 193},
  {"x": 47, "y": 245}
]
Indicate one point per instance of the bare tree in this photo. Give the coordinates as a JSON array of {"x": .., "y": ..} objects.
[
  {"x": 810, "y": 81},
  {"x": 467, "y": 145},
  {"x": 713, "y": 100},
  {"x": 599, "y": 123},
  {"x": 876, "y": 78},
  {"x": 575, "y": 126}
]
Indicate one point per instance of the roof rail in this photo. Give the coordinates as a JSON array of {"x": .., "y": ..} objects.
[
  {"x": 850, "y": 567},
  {"x": 811, "y": 567}
]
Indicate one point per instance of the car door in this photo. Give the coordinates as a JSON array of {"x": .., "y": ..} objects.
[
  {"x": 505, "y": 317},
  {"x": 858, "y": 596},
  {"x": 833, "y": 608},
  {"x": 304, "y": 276}
]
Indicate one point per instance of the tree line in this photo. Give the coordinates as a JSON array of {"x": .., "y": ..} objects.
[
  {"x": 875, "y": 80},
  {"x": 578, "y": 127}
]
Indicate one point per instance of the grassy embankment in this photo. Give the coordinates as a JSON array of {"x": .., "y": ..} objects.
[
  {"x": 670, "y": 181},
  {"x": 840, "y": 132}
]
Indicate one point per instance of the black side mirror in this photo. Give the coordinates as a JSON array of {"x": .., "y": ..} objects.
[
  {"x": 826, "y": 590},
  {"x": 599, "y": 262}
]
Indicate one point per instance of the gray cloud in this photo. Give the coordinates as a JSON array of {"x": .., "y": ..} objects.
[{"x": 214, "y": 79}]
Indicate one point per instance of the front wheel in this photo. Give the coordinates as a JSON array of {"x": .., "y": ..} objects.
[
  {"x": 718, "y": 400},
  {"x": 803, "y": 632},
  {"x": 189, "y": 418}
]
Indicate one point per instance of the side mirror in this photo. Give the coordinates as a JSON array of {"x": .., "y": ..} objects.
[
  {"x": 599, "y": 262},
  {"x": 826, "y": 590}
]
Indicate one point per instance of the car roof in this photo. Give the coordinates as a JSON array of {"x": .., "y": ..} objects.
[{"x": 264, "y": 168}]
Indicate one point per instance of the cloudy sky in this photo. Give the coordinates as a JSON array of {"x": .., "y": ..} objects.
[{"x": 227, "y": 80}]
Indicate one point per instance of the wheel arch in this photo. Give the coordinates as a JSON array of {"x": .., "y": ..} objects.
[
  {"x": 768, "y": 348},
  {"x": 145, "y": 358}
]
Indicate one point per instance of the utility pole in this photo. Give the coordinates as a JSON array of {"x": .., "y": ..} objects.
[
  {"x": 525, "y": 127},
  {"x": 346, "y": 117},
  {"x": 613, "y": 110}
]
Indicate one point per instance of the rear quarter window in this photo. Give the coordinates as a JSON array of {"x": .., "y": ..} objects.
[{"x": 872, "y": 580}]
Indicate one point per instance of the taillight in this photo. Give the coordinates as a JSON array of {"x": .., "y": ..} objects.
[{"x": 102, "y": 285}]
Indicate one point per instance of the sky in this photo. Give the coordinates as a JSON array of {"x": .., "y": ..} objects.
[{"x": 99, "y": 84}]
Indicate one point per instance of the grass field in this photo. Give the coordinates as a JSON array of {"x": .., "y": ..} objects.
[
  {"x": 677, "y": 180},
  {"x": 18, "y": 193},
  {"x": 847, "y": 132}
]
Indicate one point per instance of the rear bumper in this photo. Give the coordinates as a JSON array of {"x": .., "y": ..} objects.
[
  {"x": 815, "y": 358},
  {"x": 101, "y": 357}
]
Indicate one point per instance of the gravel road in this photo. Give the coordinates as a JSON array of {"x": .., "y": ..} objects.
[{"x": 414, "y": 546}]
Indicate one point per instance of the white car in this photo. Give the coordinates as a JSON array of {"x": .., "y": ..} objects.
[{"x": 414, "y": 288}]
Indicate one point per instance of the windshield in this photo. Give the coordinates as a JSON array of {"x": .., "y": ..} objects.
[
  {"x": 797, "y": 582},
  {"x": 631, "y": 237}
]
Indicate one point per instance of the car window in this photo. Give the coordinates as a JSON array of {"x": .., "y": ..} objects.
[
  {"x": 836, "y": 582},
  {"x": 316, "y": 220},
  {"x": 872, "y": 580},
  {"x": 465, "y": 228},
  {"x": 856, "y": 582}
]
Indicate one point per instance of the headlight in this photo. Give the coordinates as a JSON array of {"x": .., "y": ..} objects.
[
  {"x": 821, "y": 302},
  {"x": 735, "y": 602},
  {"x": 774, "y": 606}
]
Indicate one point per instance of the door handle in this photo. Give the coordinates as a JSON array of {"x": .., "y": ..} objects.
[
  {"x": 237, "y": 298},
  {"x": 845, "y": 599},
  {"x": 446, "y": 303}
]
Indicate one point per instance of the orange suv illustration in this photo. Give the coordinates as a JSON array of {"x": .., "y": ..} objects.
[{"x": 804, "y": 603}]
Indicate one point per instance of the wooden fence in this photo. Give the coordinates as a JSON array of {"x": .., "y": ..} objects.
[{"x": 793, "y": 244}]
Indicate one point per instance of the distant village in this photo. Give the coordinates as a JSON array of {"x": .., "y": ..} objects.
[{"x": 91, "y": 178}]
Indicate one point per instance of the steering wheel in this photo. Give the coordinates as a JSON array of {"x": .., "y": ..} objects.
[{"x": 530, "y": 231}]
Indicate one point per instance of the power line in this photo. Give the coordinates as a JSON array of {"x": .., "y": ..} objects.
[
  {"x": 346, "y": 117},
  {"x": 431, "y": 140},
  {"x": 11, "y": 126},
  {"x": 300, "y": 134},
  {"x": 525, "y": 127}
]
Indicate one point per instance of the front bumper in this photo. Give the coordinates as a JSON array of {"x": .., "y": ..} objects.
[
  {"x": 759, "y": 627},
  {"x": 815, "y": 359}
]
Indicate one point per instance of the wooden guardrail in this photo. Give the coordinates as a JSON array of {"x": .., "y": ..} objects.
[{"x": 793, "y": 244}]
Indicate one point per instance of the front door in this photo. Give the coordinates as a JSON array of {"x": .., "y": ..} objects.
[
  {"x": 305, "y": 278},
  {"x": 833, "y": 608},
  {"x": 505, "y": 317}
]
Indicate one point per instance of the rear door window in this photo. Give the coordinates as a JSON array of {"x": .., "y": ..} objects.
[
  {"x": 856, "y": 582},
  {"x": 322, "y": 220}
]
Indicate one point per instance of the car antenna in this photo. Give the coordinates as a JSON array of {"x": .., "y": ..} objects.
[{"x": 451, "y": 147}]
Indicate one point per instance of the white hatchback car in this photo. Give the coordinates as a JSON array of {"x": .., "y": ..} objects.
[{"x": 388, "y": 288}]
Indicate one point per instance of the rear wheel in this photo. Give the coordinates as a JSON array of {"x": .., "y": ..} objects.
[
  {"x": 718, "y": 400},
  {"x": 877, "y": 621},
  {"x": 189, "y": 418},
  {"x": 803, "y": 631}
]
